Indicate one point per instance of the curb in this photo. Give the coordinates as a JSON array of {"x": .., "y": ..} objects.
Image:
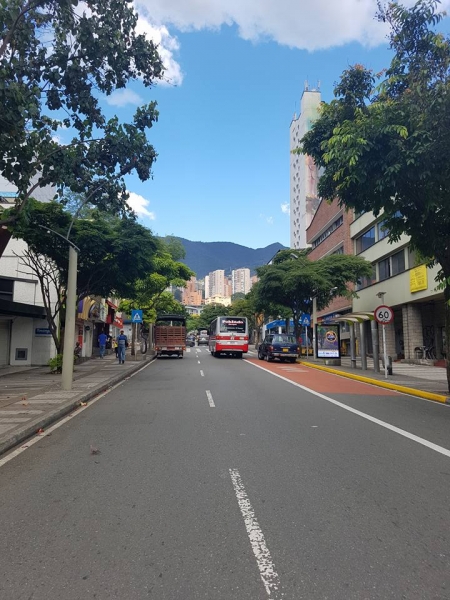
[
  {"x": 31, "y": 428},
  {"x": 390, "y": 386}
]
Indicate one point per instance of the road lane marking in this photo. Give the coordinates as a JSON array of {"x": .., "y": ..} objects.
[
  {"x": 210, "y": 399},
  {"x": 263, "y": 557},
  {"x": 402, "y": 432},
  {"x": 201, "y": 373}
]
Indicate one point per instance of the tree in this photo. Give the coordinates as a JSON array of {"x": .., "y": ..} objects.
[
  {"x": 210, "y": 312},
  {"x": 293, "y": 280},
  {"x": 245, "y": 307},
  {"x": 387, "y": 150},
  {"x": 164, "y": 273},
  {"x": 55, "y": 62},
  {"x": 114, "y": 253}
]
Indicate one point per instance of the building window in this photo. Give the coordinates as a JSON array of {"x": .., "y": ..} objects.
[
  {"x": 398, "y": 262},
  {"x": 383, "y": 231},
  {"x": 323, "y": 236},
  {"x": 365, "y": 282},
  {"x": 6, "y": 289},
  {"x": 384, "y": 269},
  {"x": 365, "y": 240},
  {"x": 393, "y": 265}
]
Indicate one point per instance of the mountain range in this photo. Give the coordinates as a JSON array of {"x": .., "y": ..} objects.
[{"x": 204, "y": 257}]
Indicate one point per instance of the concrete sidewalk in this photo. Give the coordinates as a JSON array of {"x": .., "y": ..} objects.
[
  {"x": 31, "y": 398},
  {"x": 420, "y": 380}
]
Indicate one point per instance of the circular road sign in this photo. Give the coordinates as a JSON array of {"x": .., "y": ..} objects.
[{"x": 384, "y": 314}]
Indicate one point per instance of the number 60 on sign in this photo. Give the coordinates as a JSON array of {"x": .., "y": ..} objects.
[{"x": 383, "y": 315}]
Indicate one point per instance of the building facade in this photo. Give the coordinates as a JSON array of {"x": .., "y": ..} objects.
[
  {"x": 240, "y": 281},
  {"x": 303, "y": 171},
  {"x": 408, "y": 287}
]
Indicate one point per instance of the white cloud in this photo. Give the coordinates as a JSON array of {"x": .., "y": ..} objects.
[
  {"x": 296, "y": 23},
  {"x": 167, "y": 44},
  {"x": 123, "y": 97},
  {"x": 268, "y": 220},
  {"x": 139, "y": 204},
  {"x": 286, "y": 208}
]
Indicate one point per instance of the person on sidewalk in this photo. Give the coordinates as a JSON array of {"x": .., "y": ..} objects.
[
  {"x": 115, "y": 347},
  {"x": 122, "y": 343},
  {"x": 102, "y": 343}
]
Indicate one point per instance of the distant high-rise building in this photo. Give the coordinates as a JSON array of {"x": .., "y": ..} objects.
[
  {"x": 216, "y": 284},
  {"x": 240, "y": 281},
  {"x": 303, "y": 172},
  {"x": 192, "y": 296}
]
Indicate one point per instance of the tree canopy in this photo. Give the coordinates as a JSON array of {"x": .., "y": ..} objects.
[
  {"x": 293, "y": 280},
  {"x": 385, "y": 149},
  {"x": 57, "y": 58},
  {"x": 114, "y": 252}
]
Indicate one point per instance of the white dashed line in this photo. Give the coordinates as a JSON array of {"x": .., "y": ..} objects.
[
  {"x": 264, "y": 560},
  {"x": 201, "y": 373},
  {"x": 210, "y": 399}
]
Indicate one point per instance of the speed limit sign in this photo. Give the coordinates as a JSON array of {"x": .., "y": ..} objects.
[{"x": 384, "y": 314}]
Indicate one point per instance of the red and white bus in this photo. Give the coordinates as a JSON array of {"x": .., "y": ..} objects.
[{"x": 228, "y": 335}]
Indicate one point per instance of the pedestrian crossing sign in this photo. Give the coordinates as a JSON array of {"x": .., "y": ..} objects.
[{"x": 136, "y": 316}]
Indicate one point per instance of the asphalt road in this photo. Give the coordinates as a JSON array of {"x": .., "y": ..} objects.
[{"x": 229, "y": 479}]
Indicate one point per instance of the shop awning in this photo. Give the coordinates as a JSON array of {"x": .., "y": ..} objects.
[
  {"x": 113, "y": 306},
  {"x": 356, "y": 317},
  {"x": 19, "y": 309}
]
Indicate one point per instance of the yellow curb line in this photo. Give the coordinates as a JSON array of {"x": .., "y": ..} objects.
[{"x": 389, "y": 386}]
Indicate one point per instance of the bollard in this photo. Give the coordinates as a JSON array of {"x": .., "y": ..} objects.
[{"x": 389, "y": 365}]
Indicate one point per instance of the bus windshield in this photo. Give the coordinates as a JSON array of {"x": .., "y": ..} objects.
[{"x": 234, "y": 324}]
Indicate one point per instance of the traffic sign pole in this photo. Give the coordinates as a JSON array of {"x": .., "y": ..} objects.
[{"x": 384, "y": 315}]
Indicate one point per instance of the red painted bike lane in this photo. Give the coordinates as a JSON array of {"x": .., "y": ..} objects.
[{"x": 321, "y": 381}]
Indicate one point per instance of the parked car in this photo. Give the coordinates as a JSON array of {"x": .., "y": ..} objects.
[
  {"x": 203, "y": 340},
  {"x": 279, "y": 345}
]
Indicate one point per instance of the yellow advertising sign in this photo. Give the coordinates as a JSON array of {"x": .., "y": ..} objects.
[{"x": 418, "y": 279}]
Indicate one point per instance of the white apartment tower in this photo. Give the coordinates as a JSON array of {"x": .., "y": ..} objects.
[
  {"x": 240, "y": 281},
  {"x": 216, "y": 283},
  {"x": 303, "y": 171}
]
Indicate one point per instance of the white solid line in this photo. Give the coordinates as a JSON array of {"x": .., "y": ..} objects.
[
  {"x": 264, "y": 560},
  {"x": 75, "y": 412},
  {"x": 201, "y": 373},
  {"x": 402, "y": 432},
  {"x": 210, "y": 399}
]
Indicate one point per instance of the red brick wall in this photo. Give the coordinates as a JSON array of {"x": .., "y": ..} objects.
[{"x": 325, "y": 215}]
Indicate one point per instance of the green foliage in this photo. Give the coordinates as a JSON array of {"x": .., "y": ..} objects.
[
  {"x": 388, "y": 151},
  {"x": 149, "y": 291},
  {"x": 114, "y": 252},
  {"x": 56, "y": 364},
  {"x": 210, "y": 312},
  {"x": 56, "y": 59},
  {"x": 290, "y": 283}
]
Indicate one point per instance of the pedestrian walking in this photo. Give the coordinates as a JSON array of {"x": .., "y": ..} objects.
[
  {"x": 122, "y": 343},
  {"x": 115, "y": 347},
  {"x": 102, "y": 338}
]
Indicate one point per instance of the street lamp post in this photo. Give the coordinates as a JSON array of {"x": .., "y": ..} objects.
[{"x": 71, "y": 301}]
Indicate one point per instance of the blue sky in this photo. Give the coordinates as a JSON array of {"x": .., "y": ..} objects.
[{"x": 237, "y": 72}]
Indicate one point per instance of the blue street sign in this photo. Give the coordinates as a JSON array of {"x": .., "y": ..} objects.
[
  {"x": 136, "y": 316},
  {"x": 305, "y": 320}
]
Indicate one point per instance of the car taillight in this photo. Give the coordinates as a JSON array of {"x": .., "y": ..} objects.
[
  {"x": 298, "y": 348},
  {"x": 270, "y": 348}
]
